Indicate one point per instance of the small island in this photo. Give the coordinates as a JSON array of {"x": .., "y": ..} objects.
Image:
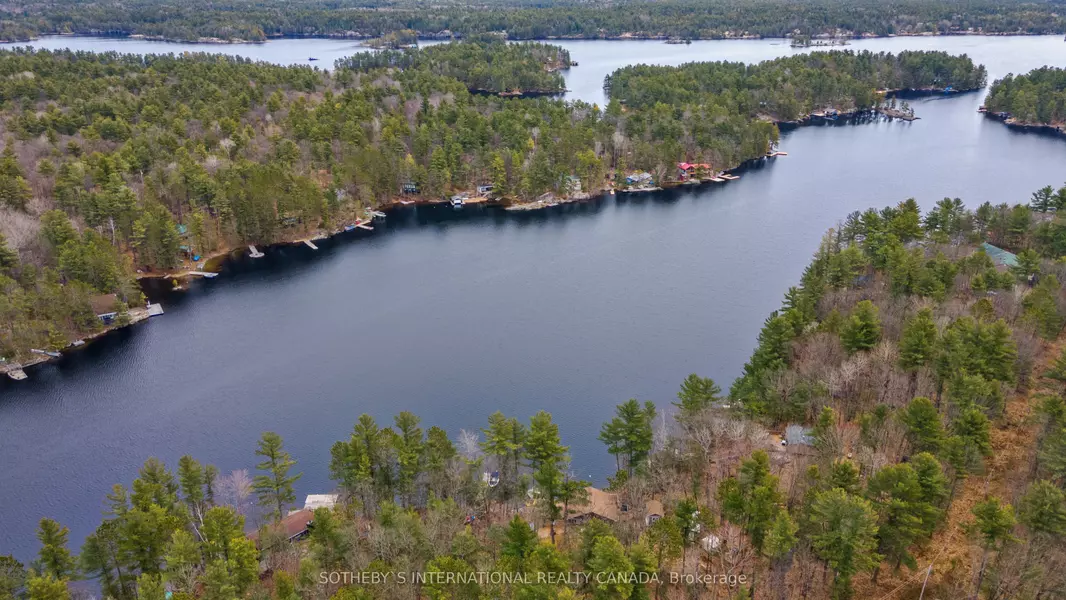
[
  {"x": 394, "y": 40},
  {"x": 1034, "y": 101}
]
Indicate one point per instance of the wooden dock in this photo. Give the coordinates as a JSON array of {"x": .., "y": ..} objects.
[
  {"x": 364, "y": 226},
  {"x": 154, "y": 310},
  {"x": 310, "y": 244},
  {"x": 206, "y": 274},
  {"x": 729, "y": 177},
  {"x": 16, "y": 373},
  {"x": 254, "y": 253}
]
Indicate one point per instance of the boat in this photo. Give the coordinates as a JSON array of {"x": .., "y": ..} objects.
[
  {"x": 77, "y": 343},
  {"x": 349, "y": 227},
  {"x": 457, "y": 201},
  {"x": 312, "y": 58},
  {"x": 377, "y": 214}
]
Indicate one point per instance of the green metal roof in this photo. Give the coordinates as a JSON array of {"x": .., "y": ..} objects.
[{"x": 999, "y": 255}]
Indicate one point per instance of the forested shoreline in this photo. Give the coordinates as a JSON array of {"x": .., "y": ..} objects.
[
  {"x": 1037, "y": 98},
  {"x": 117, "y": 166},
  {"x": 905, "y": 407},
  {"x": 687, "y": 19}
]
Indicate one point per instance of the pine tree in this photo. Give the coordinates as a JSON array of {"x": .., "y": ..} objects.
[
  {"x": 46, "y": 587},
  {"x": 1043, "y": 510},
  {"x": 629, "y": 435},
  {"x": 917, "y": 344},
  {"x": 54, "y": 556},
  {"x": 546, "y": 456},
  {"x": 1042, "y": 199},
  {"x": 9, "y": 258},
  {"x": 610, "y": 569},
  {"x": 904, "y": 516},
  {"x": 862, "y": 330},
  {"x": 992, "y": 526},
  {"x": 924, "y": 431},
  {"x": 752, "y": 500},
  {"x": 410, "y": 449},
  {"x": 1057, "y": 371},
  {"x": 697, "y": 394},
  {"x": 274, "y": 487},
  {"x": 844, "y": 534}
]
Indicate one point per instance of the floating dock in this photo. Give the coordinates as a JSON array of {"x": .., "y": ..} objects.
[
  {"x": 254, "y": 253},
  {"x": 310, "y": 244},
  {"x": 154, "y": 310},
  {"x": 16, "y": 373},
  {"x": 364, "y": 226},
  {"x": 776, "y": 154},
  {"x": 729, "y": 177},
  {"x": 206, "y": 274},
  {"x": 377, "y": 214}
]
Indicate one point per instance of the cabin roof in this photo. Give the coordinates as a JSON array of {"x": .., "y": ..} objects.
[{"x": 999, "y": 255}]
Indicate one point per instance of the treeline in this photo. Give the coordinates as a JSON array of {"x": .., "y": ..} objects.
[
  {"x": 1036, "y": 98},
  {"x": 484, "y": 63},
  {"x": 790, "y": 87},
  {"x": 905, "y": 364},
  {"x": 531, "y": 20}
]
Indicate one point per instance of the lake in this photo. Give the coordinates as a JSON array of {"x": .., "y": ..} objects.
[{"x": 455, "y": 314}]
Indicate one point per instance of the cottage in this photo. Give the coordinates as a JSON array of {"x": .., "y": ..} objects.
[
  {"x": 686, "y": 170},
  {"x": 601, "y": 505},
  {"x": 294, "y": 527},
  {"x": 409, "y": 187}
]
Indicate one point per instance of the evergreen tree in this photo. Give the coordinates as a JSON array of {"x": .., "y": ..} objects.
[
  {"x": 751, "y": 500},
  {"x": 274, "y": 486},
  {"x": 862, "y": 330},
  {"x": 844, "y": 534},
  {"x": 46, "y": 587},
  {"x": 12, "y": 578},
  {"x": 54, "y": 557},
  {"x": 905, "y": 517},
  {"x": 611, "y": 570},
  {"x": 917, "y": 344},
  {"x": 992, "y": 526},
  {"x": 1043, "y": 510},
  {"x": 924, "y": 431},
  {"x": 629, "y": 435},
  {"x": 697, "y": 393},
  {"x": 410, "y": 453}
]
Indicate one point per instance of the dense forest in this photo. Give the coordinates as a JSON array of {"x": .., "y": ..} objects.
[
  {"x": 522, "y": 19},
  {"x": 1037, "y": 98},
  {"x": 115, "y": 164},
  {"x": 904, "y": 410},
  {"x": 786, "y": 88},
  {"x": 483, "y": 63}
]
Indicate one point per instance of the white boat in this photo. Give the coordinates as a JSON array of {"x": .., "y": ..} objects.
[{"x": 457, "y": 201}]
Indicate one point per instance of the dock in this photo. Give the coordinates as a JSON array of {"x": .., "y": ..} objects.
[
  {"x": 377, "y": 214},
  {"x": 254, "y": 253},
  {"x": 362, "y": 225},
  {"x": 776, "y": 154},
  {"x": 206, "y": 274},
  {"x": 715, "y": 179},
  {"x": 729, "y": 177},
  {"x": 16, "y": 373},
  {"x": 154, "y": 310},
  {"x": 310, "y": 244}
]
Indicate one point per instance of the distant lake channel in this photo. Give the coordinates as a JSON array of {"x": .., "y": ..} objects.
[{"x": 454, "y": 314}]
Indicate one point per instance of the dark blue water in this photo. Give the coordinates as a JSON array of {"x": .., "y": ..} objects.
[{"x": 454, "y": 315}]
